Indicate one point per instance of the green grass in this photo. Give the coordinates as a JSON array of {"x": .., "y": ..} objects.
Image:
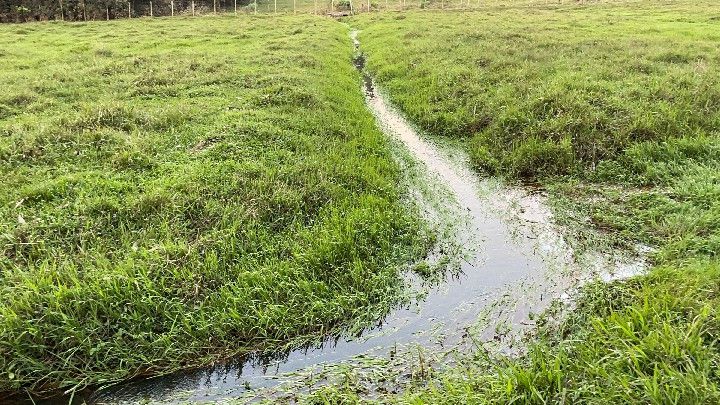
[
  {"x": 542, "y": 91},
  {"x": 176, "y": 191},
  {"x": 615, "y": 109}
]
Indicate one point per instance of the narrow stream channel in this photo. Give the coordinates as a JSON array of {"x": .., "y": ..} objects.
[{"x": 517, "y": 257}]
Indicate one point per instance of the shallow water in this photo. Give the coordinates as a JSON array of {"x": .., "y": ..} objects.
[{"x": 516, "y": 263}]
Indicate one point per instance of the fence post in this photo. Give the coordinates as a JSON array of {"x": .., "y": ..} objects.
[
  {"x": 255, "y": 6},
  {"x": 294, "y": 8},
  {"x": 107, "y": 13},
  {"x": 214, "y": 6},
  {"x": 235, "y": 5},
  {"x": 275, "y": 6},
  {"x": 129, "y": 12},
  {"x": 62, "y": 13},
  {"x": 151, "y": 10},
  {"x": 332, "y": 5},
  {"x": 192, "y": 6},
  {"x": 84, "y": 11},
  {"x": 172, "y": 8}
]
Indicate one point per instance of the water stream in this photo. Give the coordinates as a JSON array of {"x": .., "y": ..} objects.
[{"x": 518, "y": 263}]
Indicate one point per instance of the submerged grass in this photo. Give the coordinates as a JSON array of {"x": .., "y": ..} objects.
[
  {"x": 175, "y": 191},
  {"x": 615, "y": 109}
]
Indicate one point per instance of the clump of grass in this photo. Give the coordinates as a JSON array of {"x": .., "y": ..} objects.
[{"x": 175, "y": 205}]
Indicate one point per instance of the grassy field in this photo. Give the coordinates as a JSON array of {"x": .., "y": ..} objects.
[
  {"x": 615, "y": 109},
  {"x": 177, "y": 191}
]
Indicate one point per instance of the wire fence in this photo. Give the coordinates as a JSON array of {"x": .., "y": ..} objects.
[{"x": 93, "y": 10}]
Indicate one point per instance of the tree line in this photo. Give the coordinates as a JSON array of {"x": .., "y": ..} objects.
[{"x": 87, "y": 10}]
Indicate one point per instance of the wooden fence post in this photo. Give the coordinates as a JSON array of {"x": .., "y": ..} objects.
[
  {"x": 214, "y": 6},
  {"x": 151, "y": 10},
  {"x": 192, "y": 6},
  {"x": 129, "y": 12},
  {"x": 275, "y": 6},
  {"x": 172, "y": 8},
  {"x": 107, "y": 13},
  {"x": 235, "y": 5}
]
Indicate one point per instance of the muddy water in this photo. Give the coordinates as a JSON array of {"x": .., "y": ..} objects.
[{"x": 516, "y": 262}]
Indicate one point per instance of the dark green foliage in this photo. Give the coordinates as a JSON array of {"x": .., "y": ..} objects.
[{"x": 90, "y": 10}]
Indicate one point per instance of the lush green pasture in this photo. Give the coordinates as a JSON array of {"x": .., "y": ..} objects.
[
  {"x": 173, "y": 191},
  {"x": 615, "y": 108}
]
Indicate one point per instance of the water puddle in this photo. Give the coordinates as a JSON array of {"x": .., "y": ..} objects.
[{"x": 516, "y": 263}]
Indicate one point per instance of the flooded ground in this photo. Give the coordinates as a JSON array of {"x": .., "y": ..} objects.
[{"x": 515, "y": 263}]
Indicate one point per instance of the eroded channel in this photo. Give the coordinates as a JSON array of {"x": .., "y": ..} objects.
[{"x": 516, "y": 262}]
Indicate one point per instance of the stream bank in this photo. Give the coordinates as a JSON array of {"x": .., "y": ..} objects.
[{"x": 515, "y": 262}]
